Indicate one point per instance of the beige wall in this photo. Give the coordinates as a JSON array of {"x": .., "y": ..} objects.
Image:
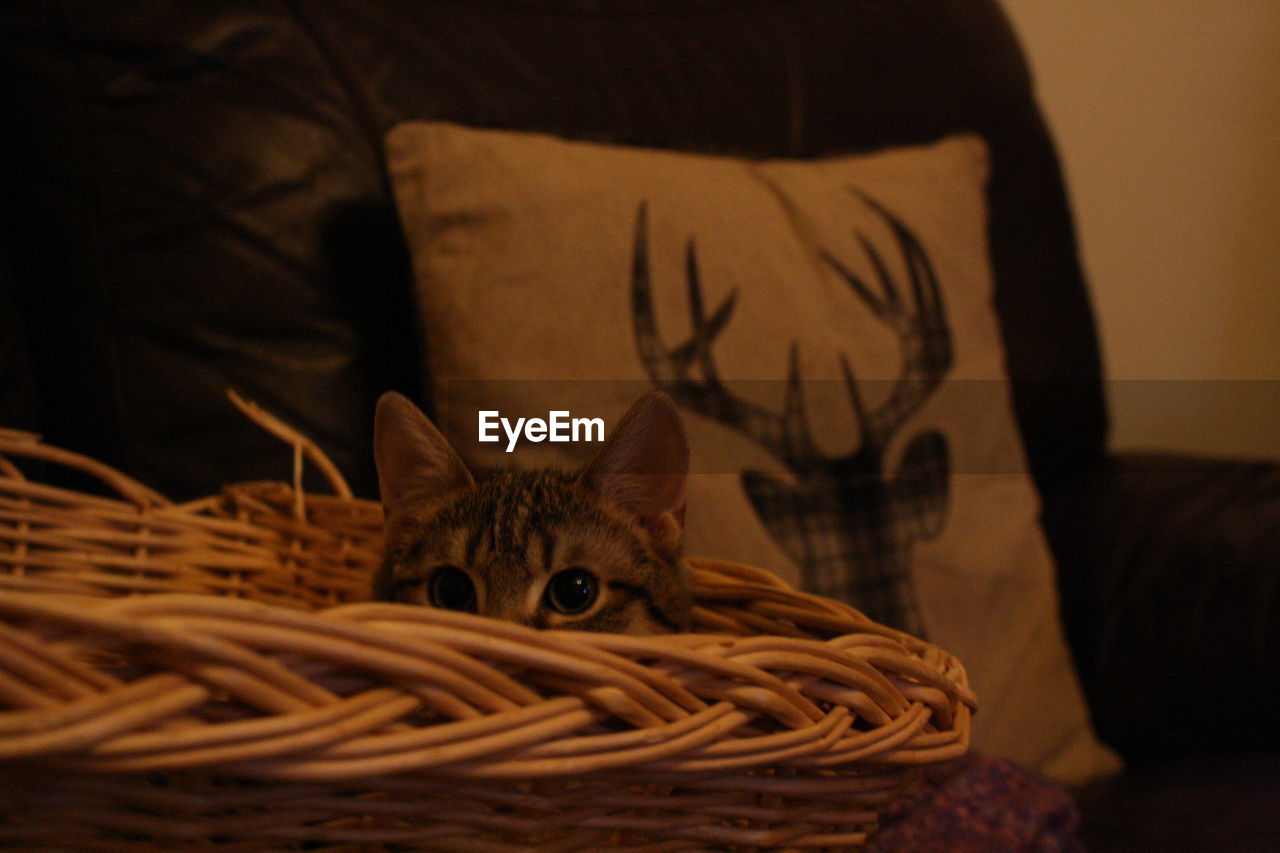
[{"x": 1167, "y": 115}]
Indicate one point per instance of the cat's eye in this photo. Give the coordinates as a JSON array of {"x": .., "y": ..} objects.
[
  {"x": 572, "y": 591},
  {"x": 452, "y": 589}
]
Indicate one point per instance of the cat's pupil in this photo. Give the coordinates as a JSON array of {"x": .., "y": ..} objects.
[
  {"x": 572, "y": 591},
  {"x": 451, "y": 588}
]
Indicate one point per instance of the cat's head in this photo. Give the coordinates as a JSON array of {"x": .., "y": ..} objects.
[{"x": 598, "y": 550}]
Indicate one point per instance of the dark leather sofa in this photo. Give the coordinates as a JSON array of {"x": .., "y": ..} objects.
[{"x": 193, "y": 198}]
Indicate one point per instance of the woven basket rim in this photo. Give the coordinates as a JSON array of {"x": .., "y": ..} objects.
[{"x": 226, "y": 636}]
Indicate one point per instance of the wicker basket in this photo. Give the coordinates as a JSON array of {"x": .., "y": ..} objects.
[{"x": 205, "y": 673}]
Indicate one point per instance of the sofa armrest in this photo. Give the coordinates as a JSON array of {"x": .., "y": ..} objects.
[{"x": 1169, "y": 571}]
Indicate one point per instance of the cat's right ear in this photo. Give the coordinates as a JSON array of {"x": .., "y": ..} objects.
[
  {"x": 643, "y": 468},
  {"x": 414, "y": 460}
]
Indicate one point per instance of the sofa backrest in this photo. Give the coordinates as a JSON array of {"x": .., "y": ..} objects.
[{"x": 194, "y": 194}]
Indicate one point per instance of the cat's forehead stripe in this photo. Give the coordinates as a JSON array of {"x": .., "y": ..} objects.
[
  {"x": 548, "y": 548},
  {"x": 471, "y": 549},
  {"x": 511, "y": 518},
  {"x": 524, "y": 506}
]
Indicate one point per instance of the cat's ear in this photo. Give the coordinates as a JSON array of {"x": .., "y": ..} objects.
[
  {"x": 414, "y": 461},
  {"x": 643, "y": 467}
]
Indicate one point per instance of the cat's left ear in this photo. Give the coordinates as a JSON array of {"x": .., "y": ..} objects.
[
  {"x": 415, "y": 462},
  {"x": 643, "y": 467}
]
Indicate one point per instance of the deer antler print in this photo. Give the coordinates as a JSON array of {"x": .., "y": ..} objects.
[{"x": 848, "y": 525}]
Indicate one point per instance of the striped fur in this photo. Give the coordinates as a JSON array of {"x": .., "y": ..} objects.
[{"x": 512, "y": 532}]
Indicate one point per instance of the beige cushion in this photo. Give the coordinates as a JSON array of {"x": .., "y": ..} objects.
[{"x": 556, "y": 275}]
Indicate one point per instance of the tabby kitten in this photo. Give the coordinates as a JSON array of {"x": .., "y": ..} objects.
[{"x": 594, "y": 551}]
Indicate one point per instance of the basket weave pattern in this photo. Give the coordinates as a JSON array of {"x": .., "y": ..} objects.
[{"x": 211, "y": 672}]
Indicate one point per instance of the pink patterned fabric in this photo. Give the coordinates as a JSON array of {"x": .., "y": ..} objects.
[{"x": 981, "y": 805}]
